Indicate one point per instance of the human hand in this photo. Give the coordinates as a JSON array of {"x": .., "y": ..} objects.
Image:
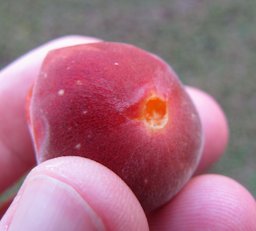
[{"x": 74, "y": 193}]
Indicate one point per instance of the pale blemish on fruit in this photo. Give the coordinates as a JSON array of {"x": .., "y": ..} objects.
[
  {"x": 193, "y": 116},
  {"x": 78, "y": 82},
  {"x": 78, "y": 146},
  {"x": 61, "y": 92},
  {"x": 116, "y": 63},
  {"x": 45, "y": 75}
]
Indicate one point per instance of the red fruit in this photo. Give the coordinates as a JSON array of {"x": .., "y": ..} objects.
[{"x": 123, "y": 107}]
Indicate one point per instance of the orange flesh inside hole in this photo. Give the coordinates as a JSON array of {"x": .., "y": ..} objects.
[{"x": 155, "y": 113}]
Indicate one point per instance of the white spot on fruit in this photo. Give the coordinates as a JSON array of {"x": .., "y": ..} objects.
[
  {"x": 78, "y": 82},
  {"x": 193, "y": 116},
  {"x": 45, "y": 75},
  {"x": 61, "y": 92},
  {"x": 116, "y": 63},
  {"x": 78, "y": 146},
  {"x": 84, "y": 112}
]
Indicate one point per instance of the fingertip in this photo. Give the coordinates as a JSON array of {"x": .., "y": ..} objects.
[
  {"x": 215, "y": 127},
  {"x": 208, "y": 202},
  {"x": 76, "y": 185}
]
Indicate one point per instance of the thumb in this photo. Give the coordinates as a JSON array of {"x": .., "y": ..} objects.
[{"x": 73, "y": 193}]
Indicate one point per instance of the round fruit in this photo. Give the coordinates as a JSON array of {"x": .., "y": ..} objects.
[{"x": 122, "y": 107}]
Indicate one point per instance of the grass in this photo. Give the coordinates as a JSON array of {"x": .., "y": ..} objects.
[{"x": 210, "y": 44}]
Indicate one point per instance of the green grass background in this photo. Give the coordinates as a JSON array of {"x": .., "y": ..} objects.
[{"x": 210, "y": 44}]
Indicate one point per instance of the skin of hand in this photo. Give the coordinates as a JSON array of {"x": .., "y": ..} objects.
[{"x": 74, "y": 193}]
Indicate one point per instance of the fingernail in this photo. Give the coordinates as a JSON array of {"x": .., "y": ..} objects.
[{"x": 48, "y": 204}]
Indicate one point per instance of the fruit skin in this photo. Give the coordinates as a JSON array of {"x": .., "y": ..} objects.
[{"x": 92, "y": 100}]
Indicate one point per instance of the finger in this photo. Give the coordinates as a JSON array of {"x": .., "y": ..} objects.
[
  {"x": 215, "y": 127},
  {"x": 74, "y": 193},
  {"x": 208, "y": 202},
  {"x": 16, "y": 151}
]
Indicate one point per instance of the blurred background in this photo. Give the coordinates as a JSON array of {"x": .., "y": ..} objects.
[{"x": 210, "y": 44}]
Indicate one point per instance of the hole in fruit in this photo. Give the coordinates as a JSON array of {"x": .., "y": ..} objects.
[{"x": 155, "y": 112}]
